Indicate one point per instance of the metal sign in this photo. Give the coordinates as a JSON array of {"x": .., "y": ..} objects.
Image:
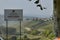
[{"x": 13, "y": 14}]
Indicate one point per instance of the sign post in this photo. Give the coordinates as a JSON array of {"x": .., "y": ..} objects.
[
  {"x": 6, "y": 29},
  {"x": 13, "y": 15},
  {"x": 20, "y": 30}
]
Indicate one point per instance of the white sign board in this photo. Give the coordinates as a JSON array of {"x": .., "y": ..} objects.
[{"x": 13, "y": 14}]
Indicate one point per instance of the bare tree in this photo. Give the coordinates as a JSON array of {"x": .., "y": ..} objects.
[{"x": 38, "y": 4}]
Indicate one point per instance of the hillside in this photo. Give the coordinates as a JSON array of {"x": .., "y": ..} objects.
[
  {"x": 33, "y": 29},
  {"x": 40, "y": 29}
]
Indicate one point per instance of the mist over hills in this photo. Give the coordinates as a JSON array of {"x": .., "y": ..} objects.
[{"x": 2, "y": 22}]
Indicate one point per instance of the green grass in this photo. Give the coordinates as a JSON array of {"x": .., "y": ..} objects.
[
  {"x": 47, "y": 34},
  {"x": 47, "y": 31}
]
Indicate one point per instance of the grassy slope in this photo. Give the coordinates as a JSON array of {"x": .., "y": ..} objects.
[{"x": 49, "y": 26}]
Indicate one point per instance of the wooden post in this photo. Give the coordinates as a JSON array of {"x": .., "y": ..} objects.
[
  {"x": 6, "y": 29},
  {"x": 20, "y": 29},
  {"x": 57, "y": 16}
]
